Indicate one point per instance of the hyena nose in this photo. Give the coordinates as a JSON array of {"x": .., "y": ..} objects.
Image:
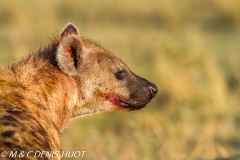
[{"x": 153, "y": 90}]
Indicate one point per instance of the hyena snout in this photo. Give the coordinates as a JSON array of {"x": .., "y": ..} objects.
[
  {"x": 145, "y": 91},
  {"x": 142, "y": 93}
]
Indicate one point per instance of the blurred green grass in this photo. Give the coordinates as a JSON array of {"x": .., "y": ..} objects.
[{"x": 190, "y": 49}]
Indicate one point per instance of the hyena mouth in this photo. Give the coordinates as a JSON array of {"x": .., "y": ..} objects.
[
  {"x": 131, "y": 104},
  {"x": 119, "y": 101}
]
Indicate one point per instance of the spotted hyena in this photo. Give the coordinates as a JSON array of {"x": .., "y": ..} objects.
[{"x": 72, "y": 77}]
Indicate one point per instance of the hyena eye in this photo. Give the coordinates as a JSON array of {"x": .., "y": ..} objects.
[{"x": 120, "y": 75}]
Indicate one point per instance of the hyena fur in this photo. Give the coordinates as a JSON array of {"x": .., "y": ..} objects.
[{"x": 72, "y": 77}]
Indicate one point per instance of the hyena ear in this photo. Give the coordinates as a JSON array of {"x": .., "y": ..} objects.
[
  {"x": 70, "y": 29},
  {"x": 69, "y": 51}
]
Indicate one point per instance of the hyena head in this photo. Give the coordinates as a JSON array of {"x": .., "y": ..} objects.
[{"x": 105, "y": 82}]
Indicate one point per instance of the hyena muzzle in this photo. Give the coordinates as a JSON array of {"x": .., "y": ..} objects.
[{"x": 72, "y": 77}]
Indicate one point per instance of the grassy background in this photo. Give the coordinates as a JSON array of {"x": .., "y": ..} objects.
[{"x": 190, "y": 49}]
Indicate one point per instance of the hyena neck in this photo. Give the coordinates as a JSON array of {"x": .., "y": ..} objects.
[
  {"x": 61, "y": 94},
  {"x": 62, "y": 97}
]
